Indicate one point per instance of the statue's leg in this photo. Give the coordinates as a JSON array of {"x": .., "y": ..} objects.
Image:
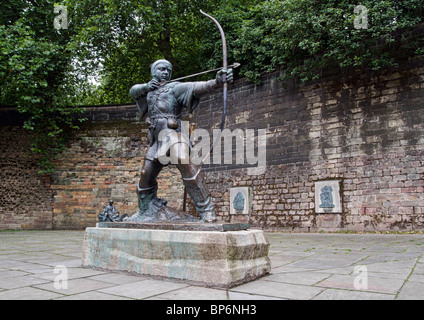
[
  {"x": 149, "y": 174},
  {"x": 196, "y": 188},
  {"x": 147, "y": 187}
]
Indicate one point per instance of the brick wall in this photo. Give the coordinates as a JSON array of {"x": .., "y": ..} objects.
[
  {"x": 365, "y": 129},
  {"x": 102, "y": 161},
  {"x": 25, "y": 196}
]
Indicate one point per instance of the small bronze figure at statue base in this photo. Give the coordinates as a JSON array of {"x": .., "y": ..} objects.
[{"x": 110, "y": 214}]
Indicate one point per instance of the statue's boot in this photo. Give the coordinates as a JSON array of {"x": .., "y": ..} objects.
[
  {"x": 198, "y": 191},
  {"x": 147, "y": 212}
]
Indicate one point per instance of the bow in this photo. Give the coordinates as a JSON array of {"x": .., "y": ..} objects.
[{"x": 225, "y": 84}]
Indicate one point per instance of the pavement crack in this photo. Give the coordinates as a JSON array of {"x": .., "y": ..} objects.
[{"x": 407, "y": 278}]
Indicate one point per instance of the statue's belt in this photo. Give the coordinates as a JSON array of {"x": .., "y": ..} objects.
[
  {"x": 153, "y": 120},
  {"x": 172, "y": 120}
]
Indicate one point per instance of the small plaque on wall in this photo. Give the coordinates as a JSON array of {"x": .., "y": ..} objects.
[
  {"x": 327, "y": 197},
  {"x": 240, "y": 200}
]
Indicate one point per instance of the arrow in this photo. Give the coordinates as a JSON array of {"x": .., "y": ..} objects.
[{"x": 235, "y": 65}]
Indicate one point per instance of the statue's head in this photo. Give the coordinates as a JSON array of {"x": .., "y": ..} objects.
[{"x": 161, "y": 70}]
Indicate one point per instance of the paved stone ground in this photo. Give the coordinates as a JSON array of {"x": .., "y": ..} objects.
[{"x": 304, "y": 266}]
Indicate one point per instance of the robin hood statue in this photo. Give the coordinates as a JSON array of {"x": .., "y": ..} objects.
[{"x": 161, "y": 102}]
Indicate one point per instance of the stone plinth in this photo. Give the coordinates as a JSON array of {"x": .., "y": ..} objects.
[
  {"x": 207, "y": 258},
  {"x": 186, "y": 226}
]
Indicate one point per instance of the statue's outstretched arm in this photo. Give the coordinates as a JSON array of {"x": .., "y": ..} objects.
[{"x": 204, "y": 87}]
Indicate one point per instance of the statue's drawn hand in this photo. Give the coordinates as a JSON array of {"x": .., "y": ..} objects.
[
  {"x": 225, "y": 76},
  {"x": 153, "y": 84}
]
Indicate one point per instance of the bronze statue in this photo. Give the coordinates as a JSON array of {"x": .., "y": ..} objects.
[
  {"x": 162, "y": 102},
  {"x": 110, "y": 214}
]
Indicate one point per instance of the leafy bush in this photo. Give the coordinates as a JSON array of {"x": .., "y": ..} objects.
[
  {"x": 304, "y": 37},
  {"x": 34, "y": 76}
]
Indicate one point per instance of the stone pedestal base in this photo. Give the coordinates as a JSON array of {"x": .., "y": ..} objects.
[{"x": 207, "y": 258}]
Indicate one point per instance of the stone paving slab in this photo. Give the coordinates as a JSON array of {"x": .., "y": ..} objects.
[
  {"x": 192, "y": 293},
  {"x": 74, "y": 286},
  {"x": 144, "y": 289},
  {"x": 28, "y": 293},
  {"x": 412, "y": 291},
  {"x": 279, "y": 290},
  {"x": 335, "y": 294},
  {"x": 375, "y": 283},
  {"x": 304, "y": 266}
]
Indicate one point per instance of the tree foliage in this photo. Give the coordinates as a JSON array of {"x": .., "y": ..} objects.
[
  {"x": 34, "y": 73},
  {"x": 301, "y": 36},
  {"x": 304, "y": 37},
  {"x": 121, "y": 38}
]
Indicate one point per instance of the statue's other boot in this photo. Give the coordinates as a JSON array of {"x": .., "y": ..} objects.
[
  {"x": 198, "y": 192},
  {"x": 206, "y": 210}
]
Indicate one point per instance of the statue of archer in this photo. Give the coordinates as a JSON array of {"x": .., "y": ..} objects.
[{"x": 161, "y": 102}]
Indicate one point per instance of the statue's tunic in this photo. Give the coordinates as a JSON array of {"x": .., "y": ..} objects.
[{"x": 163, "y": 107}]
